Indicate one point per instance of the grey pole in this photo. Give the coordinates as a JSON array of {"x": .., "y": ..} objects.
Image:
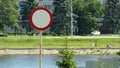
[
  {"x": 40, "y": 58},
  {"x": 71, "y": 19},
  {"x": 40, "y": 49}
]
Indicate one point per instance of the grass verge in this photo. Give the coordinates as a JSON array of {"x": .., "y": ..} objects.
[{"x": 33, "y": 42}]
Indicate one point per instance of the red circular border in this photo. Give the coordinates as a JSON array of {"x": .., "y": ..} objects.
[{"x": 32, "y": 23}]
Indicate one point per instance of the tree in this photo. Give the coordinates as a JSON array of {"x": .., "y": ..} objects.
[
  {"x": 67, "y": 59},
  {"x": 26, "y": 9},
  {"x": 111, "y": 22},
  {"x": 87, "y": 12},
  {"x": 61, "y": 17},
  {"x": 9, "y": 14},
  {"x": 118, "y": 17}
]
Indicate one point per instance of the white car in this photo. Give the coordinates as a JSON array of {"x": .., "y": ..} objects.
[{"x": 96, "y": 32}]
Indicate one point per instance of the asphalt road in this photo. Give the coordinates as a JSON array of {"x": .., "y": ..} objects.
[{"x": 114, "y": 36}]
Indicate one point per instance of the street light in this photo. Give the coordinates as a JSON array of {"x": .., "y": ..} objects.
[{"x": 71, "y": 19}]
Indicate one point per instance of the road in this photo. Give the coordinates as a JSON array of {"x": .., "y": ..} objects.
[{"x": 114, "y": 36}]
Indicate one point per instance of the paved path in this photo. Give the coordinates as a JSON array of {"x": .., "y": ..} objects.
[
  {"x": 56, "y": 48},
  {"x": 51, "y": 51}
]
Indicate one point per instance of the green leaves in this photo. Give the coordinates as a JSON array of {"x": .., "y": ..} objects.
[
  {"x": 87, "y": 12},
  {"x": 8, "y": 13},
  {"x": 111, "y": 23},
  {"x": 61, "y": 15},
  {"x": 67, "y": 59},
  {"x": 26, "y": 9}
]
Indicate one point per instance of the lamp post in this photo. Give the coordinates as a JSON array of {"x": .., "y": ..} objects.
[{"x": 71, "y": 19}]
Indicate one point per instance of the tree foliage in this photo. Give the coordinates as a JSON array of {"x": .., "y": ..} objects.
[
  {"x": 87, "y": 12},
  {"x": 61, "y": 17},
  {"x": 9, "y": 14},
  {"x": 67, "y": 59},
  {"x": 26, "y": 9},
  {"x": 111, "y": 23}
]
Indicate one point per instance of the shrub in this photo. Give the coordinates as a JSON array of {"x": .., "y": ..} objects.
[
  {"x": 67, "y": 59},
  {"x": 118, "y": 53}
]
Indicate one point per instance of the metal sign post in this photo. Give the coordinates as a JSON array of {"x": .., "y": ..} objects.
[
  {"x": 41, "y": 19},
  {"x": 40, "y": 49}
]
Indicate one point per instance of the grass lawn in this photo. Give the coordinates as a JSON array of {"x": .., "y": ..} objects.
[{"x": 33, "y": 42}]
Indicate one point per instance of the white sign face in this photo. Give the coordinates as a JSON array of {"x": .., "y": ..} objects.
[{"x": 41, "y": 18}]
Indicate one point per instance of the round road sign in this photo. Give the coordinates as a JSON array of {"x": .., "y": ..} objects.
[{"x": 41, "y": 18}]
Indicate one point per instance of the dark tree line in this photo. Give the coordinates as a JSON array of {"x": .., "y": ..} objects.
[
  {"x": 111, "y": 22},
  {"x": 85, "y": 13},
  {"x": 61, "y": 17},
  {"x": 26, "y": 9}
]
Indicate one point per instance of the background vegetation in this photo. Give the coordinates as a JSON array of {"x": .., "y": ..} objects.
[
  {"x": 25, "y": 11},
  {"x": 86, "y": 14},
  {"x": 111, "y": 22},
  {"x": 61, "y": 17},
  {"x": 9, "y": 14}
]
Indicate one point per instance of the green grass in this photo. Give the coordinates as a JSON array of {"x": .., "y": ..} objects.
[{"x": 33, "y": 42}]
